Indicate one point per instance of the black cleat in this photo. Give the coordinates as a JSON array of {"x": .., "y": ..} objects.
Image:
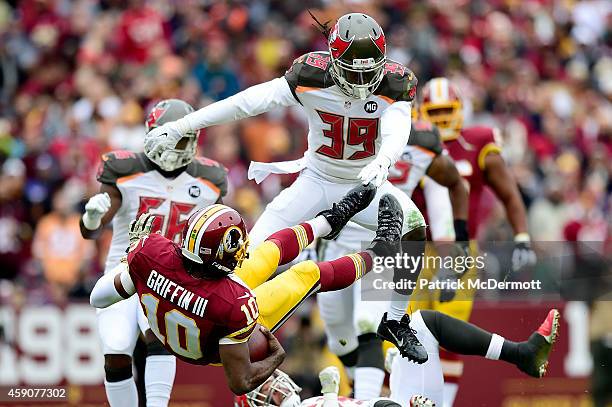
[
  {"x": 355, "y": 200},
  {"x": 389, "y": 232},
  {"x": 403, "y": 337},
  {"x": 534, "y": 353}
]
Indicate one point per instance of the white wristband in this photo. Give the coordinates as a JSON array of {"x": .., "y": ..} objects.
[{"x": 522, "y": 237}]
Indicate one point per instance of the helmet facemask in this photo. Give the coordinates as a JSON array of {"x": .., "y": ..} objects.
[
  {"x": 277, "y": 391},
  {"x": 359, "y": 79},
  {"x": 447, "y": 117},
  {"x": 172, "y": 158}
]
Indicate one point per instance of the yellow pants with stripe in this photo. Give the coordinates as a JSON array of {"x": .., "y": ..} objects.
[
  {"x": 460, "y": 307},
  {"x": 278, "y": 298}
]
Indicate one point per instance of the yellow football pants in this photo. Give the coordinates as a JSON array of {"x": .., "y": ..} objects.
[{"x": 278, "y": 298}]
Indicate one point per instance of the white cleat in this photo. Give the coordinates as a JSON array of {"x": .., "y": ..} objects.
[
  {"x": 421, "y": 401},
  {"x": 330, "y": 380}
]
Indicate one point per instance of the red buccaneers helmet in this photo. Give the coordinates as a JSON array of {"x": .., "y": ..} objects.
[
  {"x": 216, "y": 238},
  {"x": 441, "y": 105},
  {"x": 358, "y": 53}
]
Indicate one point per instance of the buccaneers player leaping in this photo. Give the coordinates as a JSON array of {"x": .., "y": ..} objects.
[
  {"x": 358, "y": 104},
  {"x": 204, "y": 285}
]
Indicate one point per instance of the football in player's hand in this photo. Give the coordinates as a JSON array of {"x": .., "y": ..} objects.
[{"x": 258, "y": 345}]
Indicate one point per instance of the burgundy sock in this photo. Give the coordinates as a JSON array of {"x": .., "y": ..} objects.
[
  {"x": 291, "y": 241},
  {"x": 344, "y": 271}
]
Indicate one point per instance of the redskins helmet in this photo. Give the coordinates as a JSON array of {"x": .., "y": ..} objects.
[
  {"x": 277, "y": 391},
  {"x": 441, "y": 105},
  {"x": 216, "y": 239},
  {"x": 358, "y": 54},
  {"x": 179, "y": 155}
]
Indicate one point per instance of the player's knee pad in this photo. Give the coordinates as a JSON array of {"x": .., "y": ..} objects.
[
  {"x": 370, "y": 351},
  {"x": 335, "y": 306},
  {"x": 341, "y": 339},
  {"x": 117, "y": 367},
  {"x": 118, "y": 327},
  {"x": 367, "y": 316},
  {"x": 155, "y": 347}
]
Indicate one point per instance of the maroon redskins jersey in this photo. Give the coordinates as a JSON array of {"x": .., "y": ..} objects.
[
  {"x": 469, "y": 151},
  {"x": 190, "y": 316}
]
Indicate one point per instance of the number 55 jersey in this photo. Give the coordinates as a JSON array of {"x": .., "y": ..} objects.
[{"x": 172, "y": 199}]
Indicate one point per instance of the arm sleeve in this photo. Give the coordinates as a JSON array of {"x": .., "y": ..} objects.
[
  {"x": 438, "y": 202},
  {"x": 395, "y": 130},
  {"x": 250, "y": 102},
  {"x": 105, "y": 293}
]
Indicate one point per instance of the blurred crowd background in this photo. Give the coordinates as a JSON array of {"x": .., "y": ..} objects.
[{"x": 78, "y": 76}]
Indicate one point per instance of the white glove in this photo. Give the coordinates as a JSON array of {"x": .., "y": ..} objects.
[
  {"x": 140, "y": 227},
  {"x": 330, "y": 380},
  {"x": 165, "y": 136},
  {"x": 95, "y": 209},
  {"x": 376, "y": 171}
]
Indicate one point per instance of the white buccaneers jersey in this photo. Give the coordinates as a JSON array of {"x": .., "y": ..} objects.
[
  {"x": 345, "y": 133},
  {"x": 423, "y": 146},
  {"x": 349, "y": 402},
  {"x": 144, "y": 189}
]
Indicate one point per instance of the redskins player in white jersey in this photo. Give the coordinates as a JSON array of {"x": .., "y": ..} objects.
[
  {"x": 279, "y": 390},
  {"x": 171, "y": 184},
  {"x": 350, "y": 323},
  {"x": 358, "y": 105}
]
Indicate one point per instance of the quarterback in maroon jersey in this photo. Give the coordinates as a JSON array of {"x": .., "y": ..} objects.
[{"x": 207, "y": 293}]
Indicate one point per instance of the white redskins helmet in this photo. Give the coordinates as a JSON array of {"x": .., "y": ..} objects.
[
  {"x": 277, "y": 391},
  {"x": 169, "y": 156}
]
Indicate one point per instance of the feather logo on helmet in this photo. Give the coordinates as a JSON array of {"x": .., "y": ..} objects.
[
  {"x": 155, "y": 114},
  {"x": 380, "y": 42},
  {"x": 338, "y": 45}
]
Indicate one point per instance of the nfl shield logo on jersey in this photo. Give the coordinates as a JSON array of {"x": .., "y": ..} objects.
[{"x": 194, "y": 191}]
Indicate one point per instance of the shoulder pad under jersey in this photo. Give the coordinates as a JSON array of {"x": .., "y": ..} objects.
[
  {"x": 209, "y": 170},
  {"x": 119, "y": 164},
  {"x": 480, "y": 135},
  {"x": 311, "y": 70},
  {"x": 398, "y": 84},
  {"x": 425, "y": 135}
]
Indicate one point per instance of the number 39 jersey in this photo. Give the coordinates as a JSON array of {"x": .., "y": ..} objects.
[
  {"x": 344, "y": 132},
  {"x": 144, "y": 189},
  {"x": 190, "y": 316}
]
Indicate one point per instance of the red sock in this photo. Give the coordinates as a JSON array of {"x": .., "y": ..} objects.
[
  {"x": 291, "y": 241},
  {"x": 342, "y": 272}
]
